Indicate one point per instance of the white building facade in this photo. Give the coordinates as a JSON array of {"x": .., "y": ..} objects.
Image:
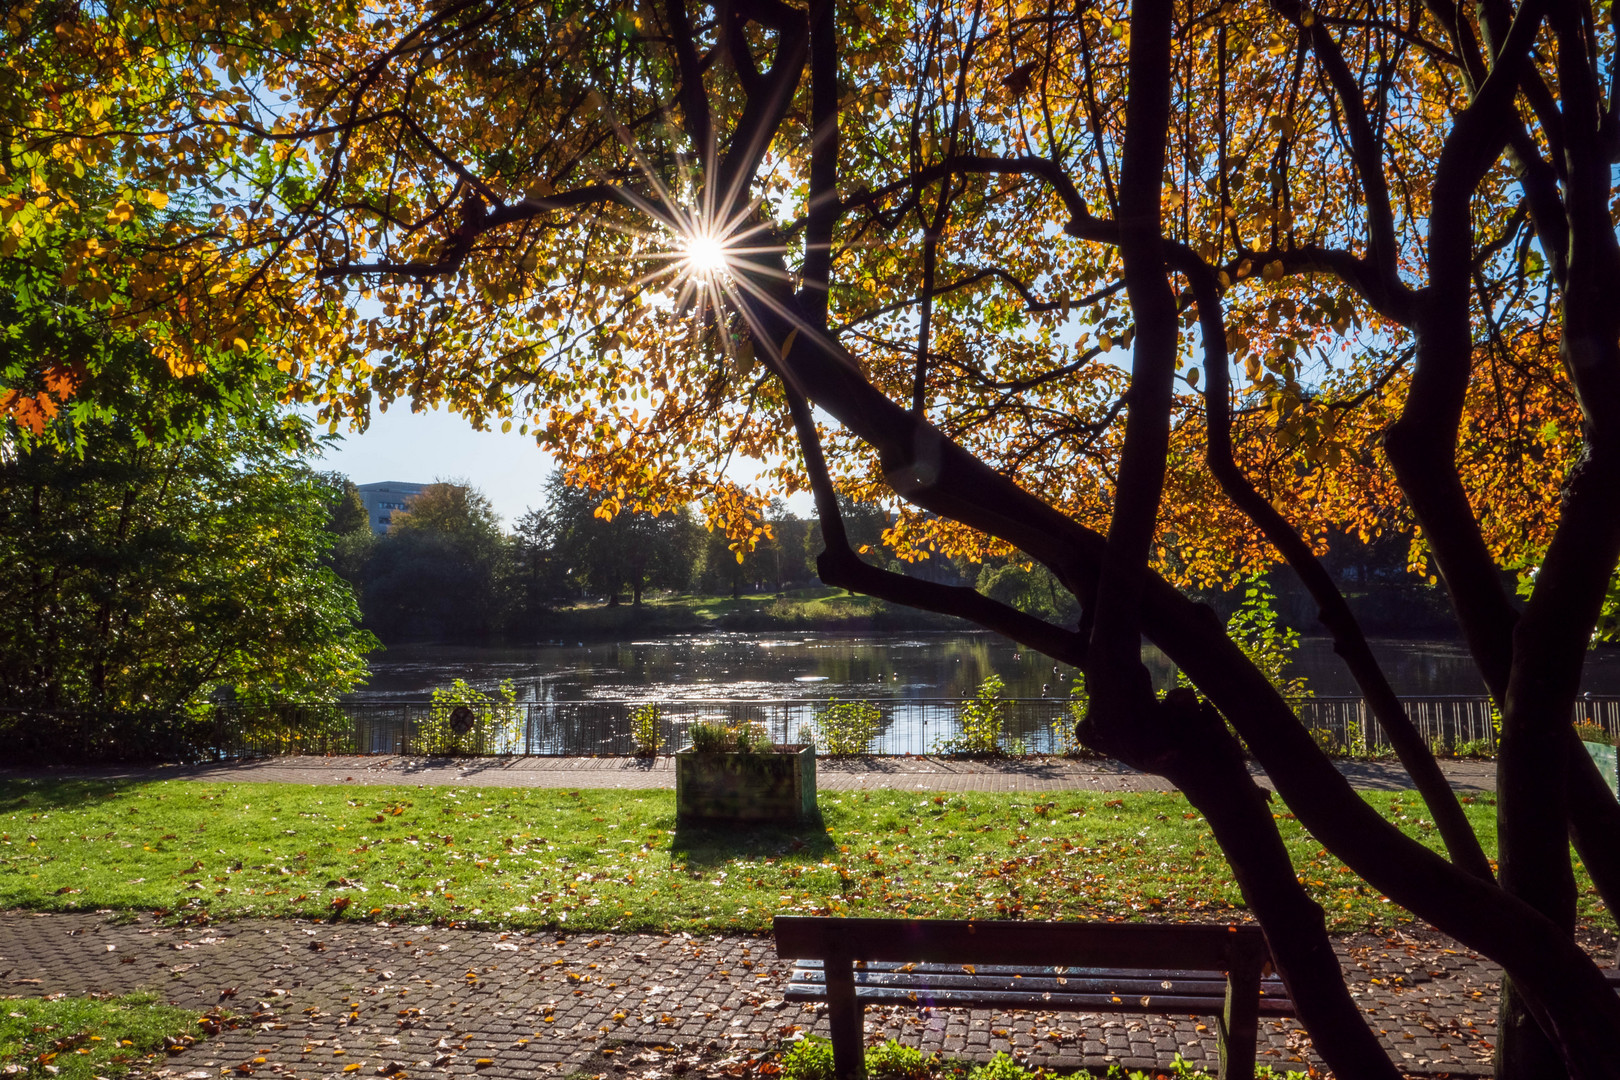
[{"x": 385, "y": 498}]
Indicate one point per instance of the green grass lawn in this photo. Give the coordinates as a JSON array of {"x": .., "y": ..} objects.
[
  {"x": 600, "y": 860},
  {"x": 82, "y": 1038}
]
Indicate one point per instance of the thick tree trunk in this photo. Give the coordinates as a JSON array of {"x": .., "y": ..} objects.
[
  {"x": 1567, "y": 993},
  {"x": 1188, "y": 743},
  {"x": 931, "y": 471}
]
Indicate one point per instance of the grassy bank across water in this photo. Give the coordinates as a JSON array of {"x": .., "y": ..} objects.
[
  {"x": 612, "y": 860},
  {"x": 818, "y": 608}
]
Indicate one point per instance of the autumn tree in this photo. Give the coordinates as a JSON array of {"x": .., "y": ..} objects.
[{"x": 1148, "y": 294}]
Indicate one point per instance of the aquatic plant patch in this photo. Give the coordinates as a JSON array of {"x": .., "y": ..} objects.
[{"x": 613, "y": 860}]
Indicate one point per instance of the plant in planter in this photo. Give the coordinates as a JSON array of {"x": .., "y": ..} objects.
[{"x": 732, "y": 774}]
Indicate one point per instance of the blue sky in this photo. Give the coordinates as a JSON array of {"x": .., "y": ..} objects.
[{"x": 428, "y": 446}]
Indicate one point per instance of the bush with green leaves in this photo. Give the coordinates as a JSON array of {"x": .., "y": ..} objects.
[
  {"x": 1064, "y": 739},
  {"x": 496, "y": 727},
  {"x": 895, "y": 1060},
  {"x": 982, "y": 720},
  {"x": 809, "y": 1058},
  {"x": 847, "y": 727},
  {"x": 647, "y": 729},
  {"x": 1592, "y": 733},
  {"x": 1473, "y": 748},
  {"x": 1000, "y": 1067},
  {"x": 1257, "y": 629}
]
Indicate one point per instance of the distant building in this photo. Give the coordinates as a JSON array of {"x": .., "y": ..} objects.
[{"x": 385, "y": 497}]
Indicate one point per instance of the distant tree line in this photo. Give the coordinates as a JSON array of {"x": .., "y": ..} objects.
[{"x": 447, "y": 571}]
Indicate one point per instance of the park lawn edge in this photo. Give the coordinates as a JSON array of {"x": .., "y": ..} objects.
[{"x": 83, "y": 1037}]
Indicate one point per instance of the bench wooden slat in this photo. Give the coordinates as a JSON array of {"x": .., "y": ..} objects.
[
  {"x": 1212, "y": 985},
  {"x": 1055, "y": 971},
  {"x": 1113, "y": 945},
  {"x": 1160, "y": 1004}
]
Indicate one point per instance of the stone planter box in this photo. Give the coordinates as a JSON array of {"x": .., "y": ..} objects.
[
  {"x": 776, "y": 785},
  {"x": 1607, "y": 764}
]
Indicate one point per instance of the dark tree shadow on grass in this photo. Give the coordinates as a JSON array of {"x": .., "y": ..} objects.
[
  {"x": 39, "y": 794},
  {"x": 703, "y": 846}
]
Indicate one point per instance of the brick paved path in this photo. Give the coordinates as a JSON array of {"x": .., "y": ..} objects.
[
  {"x": 931, "y": 774},
  {"x": 452, "y": 1003}
]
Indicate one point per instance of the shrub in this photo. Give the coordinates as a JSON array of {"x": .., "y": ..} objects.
[
  {"x": 1064, "y": 739},
  {"x": 497, "y": 720},
  {"x": 1474, "y": 748},
  {"x": 1000, "y": 1067},
  {"x": 901, "y": 1062},
  {"x": 646, "y": 729},
  {"x": 1257, "y": 629},
  {"x": 982, "y": 719},
  {"x": 808, "y": 1059},
  {"x": 1329, "y": 741},
  {"x": 847, "y": 727},
  {"x": 1595, "y": 734},
  {"x": 811, "y": 1058}
]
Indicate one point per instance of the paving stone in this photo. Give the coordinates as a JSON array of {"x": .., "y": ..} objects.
[{"x": 440, "y": 1000}]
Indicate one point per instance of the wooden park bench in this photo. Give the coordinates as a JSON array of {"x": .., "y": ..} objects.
[{"x": 1094, "y": 967}]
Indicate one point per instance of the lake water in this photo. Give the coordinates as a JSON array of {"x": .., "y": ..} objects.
[{"x": 763, "y": 667}]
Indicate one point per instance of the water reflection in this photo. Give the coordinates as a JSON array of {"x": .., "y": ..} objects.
[
  {"x": 1430, "y": 669},
  {"x": 740, "y": 666},
  {"x": 733, "y": 666}
]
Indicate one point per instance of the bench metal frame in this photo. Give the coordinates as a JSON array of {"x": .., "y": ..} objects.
[{"x": 1027, "y": 949}]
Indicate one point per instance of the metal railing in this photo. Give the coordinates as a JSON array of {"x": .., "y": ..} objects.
[
  {"x": 1448, "y": 724},
  {"x": 604, "y": 727}
]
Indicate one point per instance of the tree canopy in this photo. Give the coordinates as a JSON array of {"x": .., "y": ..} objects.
[
  {"x": 1150, "y": 294},
  {"x": 604, "y": 553}
]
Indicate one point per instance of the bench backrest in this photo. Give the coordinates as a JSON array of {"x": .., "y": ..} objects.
[{"x": 1041, "y": 944}]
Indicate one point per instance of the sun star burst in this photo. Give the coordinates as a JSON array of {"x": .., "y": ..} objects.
[{"x": 706, "y": 255}]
